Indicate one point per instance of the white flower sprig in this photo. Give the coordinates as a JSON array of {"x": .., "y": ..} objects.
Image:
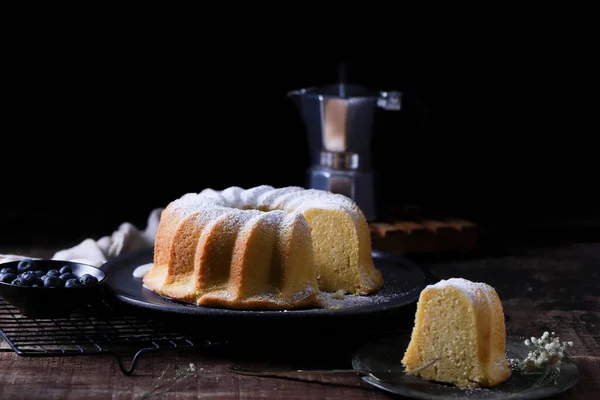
[
  {"x": 548, "y": 351},
  {"x": 545, "y": 358}
]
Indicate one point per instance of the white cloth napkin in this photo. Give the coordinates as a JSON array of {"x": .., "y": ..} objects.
[{"x": 96, "y": 252}]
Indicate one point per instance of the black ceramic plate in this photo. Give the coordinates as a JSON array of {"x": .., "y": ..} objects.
[
  {"x": 403, "y": 279},
  {"x": 386, "y": 355}
]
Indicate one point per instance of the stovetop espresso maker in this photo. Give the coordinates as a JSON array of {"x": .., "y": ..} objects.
[{"x": 339, "y": 123}]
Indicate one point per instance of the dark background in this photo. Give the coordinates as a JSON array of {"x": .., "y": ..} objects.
[{"x": 496, "y": 127}]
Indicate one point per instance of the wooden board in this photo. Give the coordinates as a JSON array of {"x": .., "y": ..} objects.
[{"x": 411, "y": 230}]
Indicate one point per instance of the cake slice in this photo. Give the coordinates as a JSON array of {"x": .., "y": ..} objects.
[{"x": 461, "y": 324}]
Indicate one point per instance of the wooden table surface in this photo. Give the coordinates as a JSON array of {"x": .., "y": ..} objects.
[{"x": 554, "y": 288}]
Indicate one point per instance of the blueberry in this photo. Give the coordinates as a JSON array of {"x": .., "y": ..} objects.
[
  {"x": 53, "y": 281},
  {"x": 8, "y": 277},
  {"x": 53, "y": 272},
  {"x": 72, "y": 283},
  {"x": 88, "y": 280},
  {"x": 29, "y": 277},
  {"x": 65, "y": 269},
  {"x": 7, "y": 270},
  {"x": 39, "y": 273},
  {"x": 19, "y": 282},
  {"x": 66, "y": 276},
  {"x": 26, "y": 264}
]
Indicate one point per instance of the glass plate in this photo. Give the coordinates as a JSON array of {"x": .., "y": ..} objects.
[{"x": 386, "y": 354}]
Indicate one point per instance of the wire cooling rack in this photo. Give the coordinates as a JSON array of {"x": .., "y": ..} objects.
[{"x": 95, "y": 329}]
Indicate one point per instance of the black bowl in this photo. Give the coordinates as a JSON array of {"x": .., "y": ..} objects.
[{"x": 40, "y": 302}]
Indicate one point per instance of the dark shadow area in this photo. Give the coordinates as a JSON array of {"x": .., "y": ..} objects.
[{"x": 102, "y": 134}]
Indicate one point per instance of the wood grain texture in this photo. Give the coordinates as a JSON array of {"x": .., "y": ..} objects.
[
  {"x": 100, "y": 378},
  {"x": 555, "y": 289}
]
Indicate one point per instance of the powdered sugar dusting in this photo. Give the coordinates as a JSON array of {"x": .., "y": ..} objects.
[
  {"x": 290, "y": 199},
  {"x": 308, "y": 193},
  {"x": 295, "y": 219},
  {"x": 335, "y": 301},
  {"x": 282, "y": 200},
  {"x": 235, "y": 219},
  {"x": 267, "y": 198},
  {"x": 314, "y": 198},
  {"x": 310, "y": 202},
  {"x": 192, "y": 202},
  {"x": 210, "y": 194},
  {"x": 273, "y": 218},
  {"x": 250, "y": 197},
  {"x": 232, "y": 196},
  {"x": 468, "y": 287}
]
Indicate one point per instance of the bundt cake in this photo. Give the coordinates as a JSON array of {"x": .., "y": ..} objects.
[
  {"x": 264, "y": 247},
  {"x": 461, "y": 324}
]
